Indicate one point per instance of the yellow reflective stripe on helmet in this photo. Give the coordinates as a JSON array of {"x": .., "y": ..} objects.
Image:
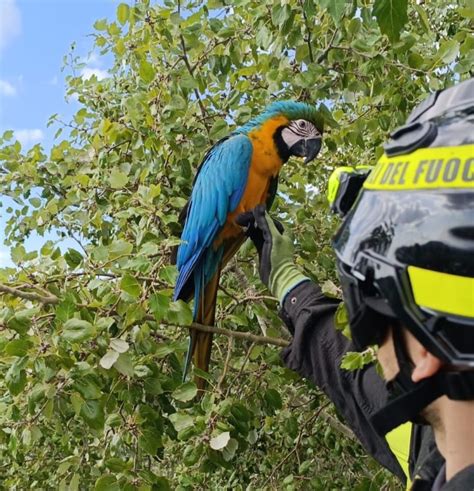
[
  {"x": 399, "y": 442},
  {"x": 426, "y": 168},
  {"x": 442, "y": 292},
  {"x": 335, "y": 179}
]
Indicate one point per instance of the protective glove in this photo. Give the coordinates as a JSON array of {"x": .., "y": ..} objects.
[{"x": 275, "y": 251}]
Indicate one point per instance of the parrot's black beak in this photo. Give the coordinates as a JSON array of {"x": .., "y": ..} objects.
[{"x": 306, "y": 148}]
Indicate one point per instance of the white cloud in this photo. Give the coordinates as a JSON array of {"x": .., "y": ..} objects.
[
  {"x": 93, "y": 66},
  {"x": 27, "y": 137},
  {"x": 92, "y": 59},
  {"x": 7, "y": 89},
  {"x": 10, "y": 22},
  {"x": 87, "y": 72},
  {"x": 5, "y": 258}
]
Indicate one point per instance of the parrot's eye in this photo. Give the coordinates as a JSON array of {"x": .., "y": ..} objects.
[{"x": 303, "y": 124}]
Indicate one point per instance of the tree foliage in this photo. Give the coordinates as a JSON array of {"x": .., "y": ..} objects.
[{"x": 91, "y": 343}]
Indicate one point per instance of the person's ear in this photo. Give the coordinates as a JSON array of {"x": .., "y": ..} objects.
[{"x": 426, "y": 365}]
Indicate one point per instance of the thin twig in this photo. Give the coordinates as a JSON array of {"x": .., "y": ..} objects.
[
  {"x": 298, "y": 441},
  {"x": 247, "y": 356},
  {"x": 226, "y": 364},
  {"x": 308, "y": 33},
  {"x": 338, "y": 426},
  {"x": 191, "y": 72},
  {"x": 328, "y": 48}
]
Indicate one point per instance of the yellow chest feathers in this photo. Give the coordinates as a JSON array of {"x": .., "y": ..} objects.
[{"x": 265, "y": 158}]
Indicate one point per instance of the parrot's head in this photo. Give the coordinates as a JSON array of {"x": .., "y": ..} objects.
[
  {"x": 296, "y": 128},
  {"x": 300, "y": 138}
]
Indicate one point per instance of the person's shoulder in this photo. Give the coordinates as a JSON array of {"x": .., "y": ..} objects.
[{"x": 462, "y": 481}]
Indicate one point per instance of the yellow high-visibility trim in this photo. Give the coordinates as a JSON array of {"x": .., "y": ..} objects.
[
  {"x": 442, "y": 292},
  {"x": 335, "y": 179},
  {"x": 427, "y": 168},
  {"x": 334, "y": 182},
  {"x": 399, "y": 442}
]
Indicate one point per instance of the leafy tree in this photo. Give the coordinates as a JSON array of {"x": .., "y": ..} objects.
[{"x": 91, "y": 344}]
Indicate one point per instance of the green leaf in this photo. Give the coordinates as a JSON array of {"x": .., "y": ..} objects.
[
  {"x": 65, "y": 309},
  {"x": 36, "y": 202},
  {"x": 341, "y": 320},
  {"x": 130, "y": 285},
  {"x": 93, "y": 414},
  {"x": 123, "y": 11},
  {"x": 391, "y": 16},
  {"x": 169, "y": 274},
  {"x": 21, "y": 321},
  {"x": 161, "y": 484},
  {"x": 331, "y": 290},
  {"x": 119, "y": 345},
  {"x": 180, "y": 313},
  {"x": 150, "y": 441},
  {"x": 334, "y": 7},
  {"x": 8, "y": 135},
  {"x": 88, "y": 388},
  {"x": 18, "y": 254},
  {"x": 118, "y": 179},
  {"x": 448, "y": 51},
  {"x": 74, "y": 483},
  {"x": 100, "y": 25},
  {"x": 77, "y": 330},
  {"x": 109, "y": 359},
  {"x": 352, "y": 361},
  {"x": 185, "y": 392},
  {"x": 116, "y": 464},
  {"x": 220, "y": 441},
  {"x": 159, "y": 304},
  {"x": 18, "y": 347},
  {"x": 415, "y": 60},
  {"x": 120, "y": 248},
  {"x": 15, "y": 378},
  {"x": 273, "y": 399},
  {"x": 124, "y": 365},
  {"x": 423, "y": 17},
  {"x": 230, "y": 449},
  {"x": 181, "y": 421},
  {"x": 76, "y": 401},
  {"x": 146, "y": 71},
  {"x": 73, "y": 258},
  {"x": 219, "y": 129}
]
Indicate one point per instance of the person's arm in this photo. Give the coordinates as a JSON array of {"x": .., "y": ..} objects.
[
  {"x": 317, "y": 348},
  {"x": 315, "y": 353}
]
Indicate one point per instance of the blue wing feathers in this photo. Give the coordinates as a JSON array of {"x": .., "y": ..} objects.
[{"x": 218, "y": 189}]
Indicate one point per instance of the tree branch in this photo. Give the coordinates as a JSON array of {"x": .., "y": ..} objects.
[
  {"x": 50, "y": 299},
  {"x": 308, "y": 33},
  {"x": 283, "y": 343},
  {"x": 53, "y": 300}
]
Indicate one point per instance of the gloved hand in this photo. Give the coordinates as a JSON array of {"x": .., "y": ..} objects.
[{"x": 275, "y": 251}]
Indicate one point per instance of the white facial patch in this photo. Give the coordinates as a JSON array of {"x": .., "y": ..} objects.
[{"x": 297, "y": 130}]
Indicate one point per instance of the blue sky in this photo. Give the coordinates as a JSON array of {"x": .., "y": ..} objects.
[{"x": 34, "y": 37}]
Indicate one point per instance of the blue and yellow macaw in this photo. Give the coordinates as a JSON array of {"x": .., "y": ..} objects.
[{"x": 238, "y": 173}]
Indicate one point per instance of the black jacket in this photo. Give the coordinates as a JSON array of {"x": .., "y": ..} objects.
[{"x": 316, "y": 352}]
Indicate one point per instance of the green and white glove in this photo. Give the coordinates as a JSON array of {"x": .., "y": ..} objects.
[{"x": 275, "y": 251}]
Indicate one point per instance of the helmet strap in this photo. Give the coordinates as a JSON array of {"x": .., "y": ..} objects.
[{"x": 406, "y": 399}]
